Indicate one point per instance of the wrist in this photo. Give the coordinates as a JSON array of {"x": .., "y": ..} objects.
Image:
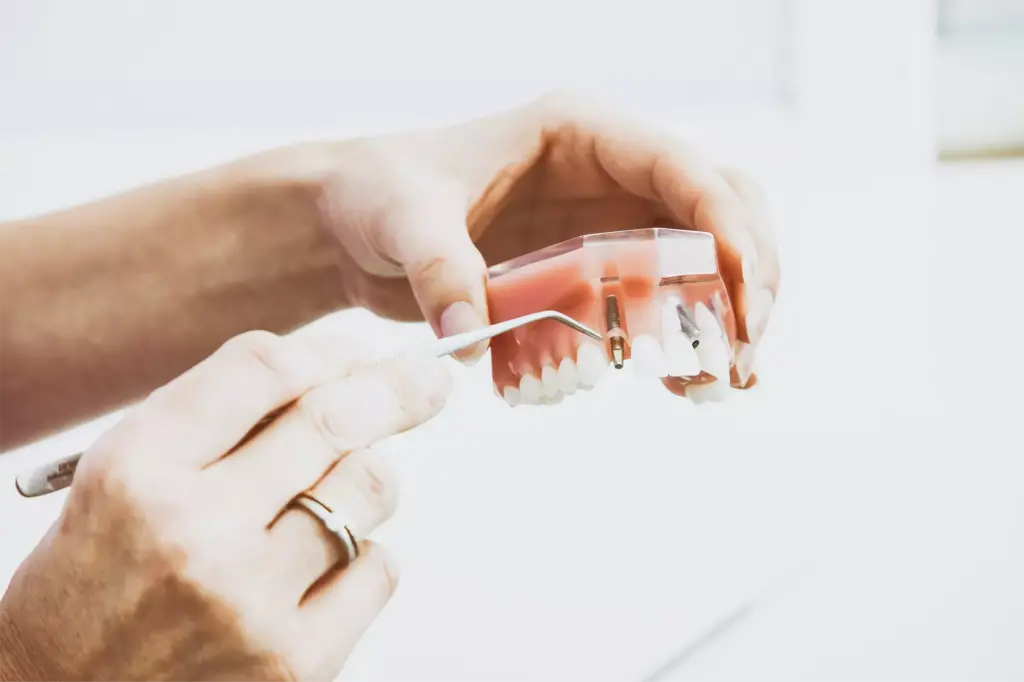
[{"x": 281, "y": 191}]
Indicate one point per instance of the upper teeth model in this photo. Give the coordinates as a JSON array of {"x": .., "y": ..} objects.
[{"x": 656, "y": 294}]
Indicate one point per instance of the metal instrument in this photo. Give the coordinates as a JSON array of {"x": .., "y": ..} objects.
[{"x": 58, "y": 474}]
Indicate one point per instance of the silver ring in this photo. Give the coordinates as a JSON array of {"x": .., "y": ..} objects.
[{"x": 326, "y": 517}]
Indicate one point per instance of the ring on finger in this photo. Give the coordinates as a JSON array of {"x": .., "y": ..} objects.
[{"x": 325, "y": 515}]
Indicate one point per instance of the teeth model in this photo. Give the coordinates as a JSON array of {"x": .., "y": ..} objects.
[
  {"x": 530, "y": 390},
  {"x": 647, "y": 358},
  {"x": 674, "y": 356},
  {"x": 712, "y": 351},
  {"x": 592, "y": 363},
  {"x": 512, "y": 396},
  {"x": 549, "y": 381},
  {"x": 568, "y": 376}
]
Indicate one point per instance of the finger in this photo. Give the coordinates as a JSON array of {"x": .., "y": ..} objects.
[
  {"x": 655, "y": 164},
  {"x": 755, "y": 294},
  {"x": 371, "y": 403},
  {"x": 663, "y": 168},
  {"x": 342, "y": 607},
  {"x": 206, "y": 411},
  {"x": 429, "y": 238},
  {"x": 362, "y": 492}
]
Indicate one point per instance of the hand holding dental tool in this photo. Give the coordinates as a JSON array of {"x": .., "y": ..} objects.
[
  {"x": 59, "y": 474},
  {"x": 179, "y": 555}
]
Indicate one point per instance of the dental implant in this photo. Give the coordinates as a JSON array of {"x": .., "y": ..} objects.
[
  {"x": 688, "y": 325},
  {"x": 616, "y": 337}
]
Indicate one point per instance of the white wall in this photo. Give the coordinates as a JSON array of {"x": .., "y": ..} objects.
[
  {"x": 756, "y": 82},
  {"x": 348, "y": 67}
]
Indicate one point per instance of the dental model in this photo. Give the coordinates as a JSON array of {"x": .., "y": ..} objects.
[{"x": 656, "y": 293}]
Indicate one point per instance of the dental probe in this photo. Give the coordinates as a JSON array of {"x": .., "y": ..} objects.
[{"x": 58, "y": 474}]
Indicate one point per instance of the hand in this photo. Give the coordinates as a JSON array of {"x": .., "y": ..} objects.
[
  {"x": 177, "y": 555},
  {"x": 420, "y": 215}
]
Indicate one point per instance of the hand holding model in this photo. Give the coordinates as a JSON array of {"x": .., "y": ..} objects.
[
  {"x": 433, "y": 209},
  {"x": 180, "y": 556}
]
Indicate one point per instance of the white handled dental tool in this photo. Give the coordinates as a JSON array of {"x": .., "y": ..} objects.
[{"x": 58, "y": 474}]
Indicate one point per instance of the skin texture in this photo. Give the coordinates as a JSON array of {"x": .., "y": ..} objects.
[
  {"x": 178, "y": 558},
  {"x": 102, "y": 303}
]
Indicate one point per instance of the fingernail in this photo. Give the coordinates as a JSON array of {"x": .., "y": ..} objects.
[{"x": 458, "y": 318}]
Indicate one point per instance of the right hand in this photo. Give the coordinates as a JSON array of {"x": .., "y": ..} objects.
[{"x": 177, "y": 555}]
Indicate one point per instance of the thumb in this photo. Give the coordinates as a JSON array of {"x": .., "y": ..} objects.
[{"x": 445, "y": 270}]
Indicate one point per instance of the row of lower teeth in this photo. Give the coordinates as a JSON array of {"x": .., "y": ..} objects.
[{"x": 677, "y": 356}]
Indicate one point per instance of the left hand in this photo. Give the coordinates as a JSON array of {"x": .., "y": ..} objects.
[{"x": 420, "y": 215}]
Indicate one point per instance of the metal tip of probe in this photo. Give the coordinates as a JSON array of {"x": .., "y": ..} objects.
[{"x": 570, "y": 322}]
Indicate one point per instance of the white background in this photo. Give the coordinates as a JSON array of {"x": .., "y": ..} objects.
[{"x": 866, "y": 498}]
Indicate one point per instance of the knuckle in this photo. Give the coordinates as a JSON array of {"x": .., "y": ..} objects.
[
  {"x": 276, "y": 357},
  {"x": 104, "y": 470},
  {"x": 376, "y": 482},
  {"x": 421, "y": 386},
  {"x": 331, "y": 416},
  {"x": 401, "y": 393},
  {"x": 429, "y": 270},
  {"x": 260, "y": 346}
]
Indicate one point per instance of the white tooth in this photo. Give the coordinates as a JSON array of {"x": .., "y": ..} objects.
[
  {"x": 512, "y": 395},
  {"x": 568, "y": 377},
  {"x": 592, "y": 364},
  {"x": 715, "y": 392},
  {"x": 706, "y": 322},
  {"x": 714, "y": 357},
  {"x": 648, "y": 360},
  {"x": 549, "y": 381},
  {"x": 530, "y": 390},
  {"x": 712, "y": 350},
  {"x": 680, "y": 358},
  {"x": 552, "y": 401}
]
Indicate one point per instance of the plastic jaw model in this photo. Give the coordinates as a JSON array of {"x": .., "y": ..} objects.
[{"x": 656, "y": 294}]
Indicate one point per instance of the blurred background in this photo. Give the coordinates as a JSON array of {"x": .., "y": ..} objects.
[{"x": 863, "y": 508}]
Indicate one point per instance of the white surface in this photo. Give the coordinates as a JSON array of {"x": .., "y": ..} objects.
[{"x": 353, "y": 67}]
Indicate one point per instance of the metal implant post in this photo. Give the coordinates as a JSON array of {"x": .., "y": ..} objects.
[
  {"x": 688, "y": 325},
  {"x": 615, "y": 333}
]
